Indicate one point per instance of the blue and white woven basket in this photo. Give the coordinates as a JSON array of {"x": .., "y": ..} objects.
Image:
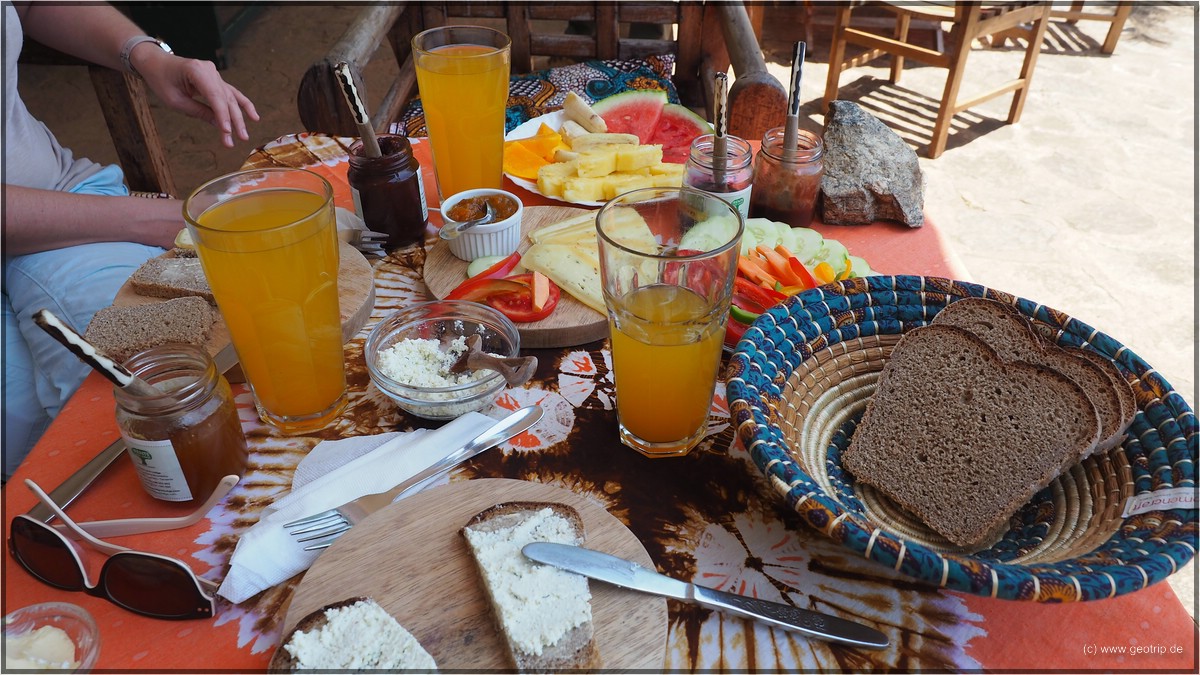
[{"x": 801, "y": 377}]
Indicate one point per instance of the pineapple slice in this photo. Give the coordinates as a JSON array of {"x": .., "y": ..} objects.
[
  {"x": 597, "y": 162},
  {"x": 631, "y": 157},
  {"x": 551, "y": 177},
  {"x": 620, "y": 183},
  {"x": 667, "y": 168},
  {"x": 583, "y": 189}
]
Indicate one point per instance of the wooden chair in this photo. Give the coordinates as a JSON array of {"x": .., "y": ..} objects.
[
  {"x": 969, "y": 21},
  {"x": 710, "y": 37},
  {"x": 1080, "y": 12},
  {"x": 125, "y": 102}
]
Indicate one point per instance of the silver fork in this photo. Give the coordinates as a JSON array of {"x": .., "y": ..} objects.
[
  {"x": 367, "y": 241},
  {"x": 326, "y": 526}
]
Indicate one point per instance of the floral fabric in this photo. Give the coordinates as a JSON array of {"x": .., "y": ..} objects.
[{"x": 541, "y": 92}]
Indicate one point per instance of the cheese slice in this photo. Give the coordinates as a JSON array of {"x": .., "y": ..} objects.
[{"x": 574, "y": 272}]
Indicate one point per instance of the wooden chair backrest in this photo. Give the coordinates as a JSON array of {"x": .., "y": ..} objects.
[{"x": 125, "y": 102}]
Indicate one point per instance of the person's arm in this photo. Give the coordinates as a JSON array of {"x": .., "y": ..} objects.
[
  {"x": 97, "y": 32},
  {"x": 40, "y": 220}
]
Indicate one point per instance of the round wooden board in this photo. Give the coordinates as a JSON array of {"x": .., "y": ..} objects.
[
  {"x": 572, "y": 323},
  {"x": 356, "y": 296},
  {"x": 411, "y": 559}
]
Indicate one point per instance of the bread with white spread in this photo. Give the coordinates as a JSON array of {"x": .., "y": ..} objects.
[
  {"x": 171, "y": 278},
  {"x": 354, "y": 634},
  {"x": 543, "y": 612}
]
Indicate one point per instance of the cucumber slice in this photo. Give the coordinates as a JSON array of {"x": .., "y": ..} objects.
[
  {"x": 860, "y": 268},
  {"x": 834, "y": 252},
  {"x": 480, "y": 264},
  {"x": 709, "y": 234},
  {"x": 808, "y": 244},
  {"x": 764, "y": 231}
]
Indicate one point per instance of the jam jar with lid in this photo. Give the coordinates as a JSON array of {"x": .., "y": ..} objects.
[
  {"x": 388, "y": 191},
  {"x": 184, "y": 440},
  {"x": 734, "y": 183},
  {"x": 786, "y": 185}
]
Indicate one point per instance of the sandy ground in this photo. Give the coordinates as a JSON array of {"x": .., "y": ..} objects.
[{"x": 1087, "y": 205}]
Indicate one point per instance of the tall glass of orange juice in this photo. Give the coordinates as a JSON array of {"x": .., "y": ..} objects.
[
  {"x": 268, "y": 244},
  {"x": 462, "y": 76},
  {"x": 668, "y": 257}
]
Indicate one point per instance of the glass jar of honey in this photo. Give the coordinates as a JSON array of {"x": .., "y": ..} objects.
[
  {"x": 734, "y": 182},
  {"x": 184, "y": 440},
  {"x": 388, "y": 192},
  {"x": 786, "y": 184}
]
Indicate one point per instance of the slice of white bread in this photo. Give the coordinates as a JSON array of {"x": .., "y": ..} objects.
[
  {"x": 121, "y": 332},
  {"x": 171, "y": 278},
  {"x": 1012, "y": 336},
  {"x": 961, "y": 438},
  {"x": 354, "y": 634},
  {"x": 544, "y": 613}
]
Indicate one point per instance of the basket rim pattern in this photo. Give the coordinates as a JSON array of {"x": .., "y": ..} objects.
[{"x": 1161, "y": 446}]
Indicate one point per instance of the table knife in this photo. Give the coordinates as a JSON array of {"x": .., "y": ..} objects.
[{"x": 626, "y": 574}]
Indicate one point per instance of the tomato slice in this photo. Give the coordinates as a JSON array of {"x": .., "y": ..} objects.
[{"x": 518, "y": 306}]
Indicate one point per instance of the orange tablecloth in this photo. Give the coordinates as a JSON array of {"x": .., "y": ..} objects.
[{"x": 931, "y": 629}]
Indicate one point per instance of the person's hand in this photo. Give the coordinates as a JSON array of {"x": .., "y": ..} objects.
[{"x": 195, "y": 88}]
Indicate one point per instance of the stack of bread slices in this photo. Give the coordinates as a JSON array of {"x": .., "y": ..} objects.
[
  {"x": 186, "y": 316},
  {"x": 976, "y": 412}
]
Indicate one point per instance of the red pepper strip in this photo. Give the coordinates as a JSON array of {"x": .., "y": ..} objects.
[
  {"x": 734, "y": 330},
  {"x": 762, "y": 297},
  {"x": 803, "y": 274},
  {"x": 501, "y": 268},
  {"x": 479, "y": 289}
]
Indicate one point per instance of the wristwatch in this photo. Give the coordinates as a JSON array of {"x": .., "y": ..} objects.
[{"x": 135, "y": 41}]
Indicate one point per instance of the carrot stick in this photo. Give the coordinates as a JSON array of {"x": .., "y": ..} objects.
[
  {"x": 753, "y": 271},
  {"x": 778, "y": 266}
]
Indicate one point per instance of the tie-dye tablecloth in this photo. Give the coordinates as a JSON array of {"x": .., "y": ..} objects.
[{"x": 709, "y": 517}]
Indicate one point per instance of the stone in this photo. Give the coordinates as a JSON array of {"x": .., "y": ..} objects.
[{"x": 870, "y": 172}]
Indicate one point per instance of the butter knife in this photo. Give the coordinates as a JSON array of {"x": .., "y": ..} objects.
[{"x": 626, "y": 574}]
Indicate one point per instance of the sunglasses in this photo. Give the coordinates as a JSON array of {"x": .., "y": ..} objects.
[{"x": 146, "y": 583}]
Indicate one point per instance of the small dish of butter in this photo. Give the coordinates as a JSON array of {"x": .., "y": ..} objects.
[{"x": 51, "y": 636}]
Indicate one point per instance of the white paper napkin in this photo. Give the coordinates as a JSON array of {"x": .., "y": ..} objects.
[{"x": 332, "y": 474}]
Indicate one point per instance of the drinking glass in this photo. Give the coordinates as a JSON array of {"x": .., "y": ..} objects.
[
  {"x": 668, "y": 257},
  {"x": 268, "y": 243},
  {"x": 462, "y": 76}
]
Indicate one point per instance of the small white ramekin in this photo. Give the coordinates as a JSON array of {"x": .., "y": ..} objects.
[{"x": 499, "y": 238}]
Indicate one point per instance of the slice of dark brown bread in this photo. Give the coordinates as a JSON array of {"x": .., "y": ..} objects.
[
  {"x": 1119, "y": 383},
  {"x": 577, "y": 648},
  {"x": 171, "y": 278},
  {"x": 961, "y": 438},
  {"x": 121, "y": 332},
  {"x": 371, "y": 651},
  {"x": 1012, "y": 336}
]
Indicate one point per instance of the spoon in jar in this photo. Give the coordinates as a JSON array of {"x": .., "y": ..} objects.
[
  {"x": 89, "y": 354},
  {"x": 452, "y": 228},
  {"x": 516, "y": 370}
]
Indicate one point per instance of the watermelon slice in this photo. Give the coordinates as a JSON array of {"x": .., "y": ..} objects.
[
  {"x": 632, "y": 112},
  {"x": 676, "y": 128}
]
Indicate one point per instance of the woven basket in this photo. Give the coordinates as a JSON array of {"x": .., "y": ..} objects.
[{"x": 801, "y": 377}]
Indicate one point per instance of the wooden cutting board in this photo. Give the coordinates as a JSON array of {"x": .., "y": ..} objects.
[
  {"x": 356, "y": 295},
  {"x": 572, "y": 323},
  {"x": 410, "y": 558}
]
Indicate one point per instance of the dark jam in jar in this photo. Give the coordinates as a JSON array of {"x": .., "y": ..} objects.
[
  {"x": 184, "y": 440},
  {"x": 473, "y": 208},
  {"x": 389, "y": 194},
  {"x": 786, "y": 187},
  {"x": 734, "y": 183}
]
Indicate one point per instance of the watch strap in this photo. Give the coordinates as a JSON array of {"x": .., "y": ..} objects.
[{"x": 134, "y": 41}]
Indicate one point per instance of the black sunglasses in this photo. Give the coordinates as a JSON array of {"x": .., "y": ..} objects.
[{"x": 146, "y": 583}]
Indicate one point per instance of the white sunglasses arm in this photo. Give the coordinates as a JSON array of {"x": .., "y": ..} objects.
[
  {"x": 110, "y": 549},
  {"x": 129, "y": 526}
]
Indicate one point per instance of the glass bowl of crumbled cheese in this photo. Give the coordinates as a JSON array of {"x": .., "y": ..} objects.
[
  {"x": 51, "y": 636},
  {"x": 409, "y": 355}
]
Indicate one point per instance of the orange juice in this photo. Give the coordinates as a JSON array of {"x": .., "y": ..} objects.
[
  {"x": 666, "y": 347},
  {"x": 271, "y": 257},
  {"x": 464, "y": 89}
]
